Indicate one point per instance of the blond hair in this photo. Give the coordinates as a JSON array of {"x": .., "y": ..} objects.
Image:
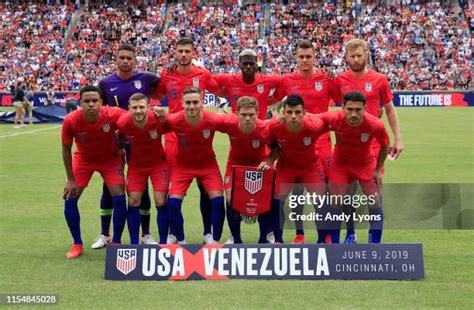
[{"x": 356, "y": 43}]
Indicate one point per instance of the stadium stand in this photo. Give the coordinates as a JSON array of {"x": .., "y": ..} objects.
[{"x": 418, "y": 44}]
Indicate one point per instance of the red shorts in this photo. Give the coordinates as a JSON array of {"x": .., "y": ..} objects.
[
  {"x": 208, "y": 175},
  {"x": 111, "y": 172},
  {"x": 342, "y": 175},
  {"x": 324, "y": 152},
  {"x": 312, "y": 177},
  {"x": 171, "y": 148},
  {"x": 159, "y": 175}
]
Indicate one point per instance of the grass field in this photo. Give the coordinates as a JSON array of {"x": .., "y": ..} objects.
[{"x": 34, "y": 237}]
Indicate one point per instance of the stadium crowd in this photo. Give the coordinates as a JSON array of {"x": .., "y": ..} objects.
[{"x": 417, "y": 44}]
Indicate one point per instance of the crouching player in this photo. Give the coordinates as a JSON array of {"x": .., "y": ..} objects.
[
  {"x": 93, "y": 128},
  {"x": 248, "y": 137},
  {"x": 298, "y": 163},
  {"x": 354, "y": 160},
  {"x": 195, "y": 158},
  {"x": 147, "y": 160}
]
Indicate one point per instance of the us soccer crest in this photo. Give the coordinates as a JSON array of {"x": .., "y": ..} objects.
[
  {"x": 153, "y": 134},
  {"x": 318, "y": 86},
  {"x": 368, "y": 87},
  {"x": 260, "y": 88},
  {"x": 307, "y": 141},
  {"x": 255, "y": 144},
  {"x": 206, "y": 133},
  {"x": 253, "y": 181},
  {"x": 106, "y": 127},
  {"x": 364, "y": 137},
  {"x": 196, "y": 82},
  {"x": 138, "y": 84},
  {"x": 126, "y": 260}
]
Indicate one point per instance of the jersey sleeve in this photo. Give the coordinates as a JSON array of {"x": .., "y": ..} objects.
[
  {"x": 334, "y": 92},
  {"x": 105, "y": 99},
  {"x": 381, "y": 135},
  {"x": 116, "y": 113},
  {"x": 385, "y": 91},
  {"x": 67, "y": 135},
  {"x": 211, "y": 83},
  {"x": 161, "y": 86},
  {"x": 154, "y": 82},
  {"x": 279, "y": 90},
  {"x": 328, "y": 119}
]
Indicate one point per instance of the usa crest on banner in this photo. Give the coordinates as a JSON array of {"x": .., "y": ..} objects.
[{"x": 252, "y": 191}]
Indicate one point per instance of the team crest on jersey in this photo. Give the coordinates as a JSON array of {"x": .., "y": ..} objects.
[
  {"x": 126, "y": 260},
  {"x": 260, "y": 88},
  {"x": 368, "y": 87},
  {"x": 206, "y": 133},
  {"x": 138, "y": 84},
  {"x": 307, "y": 141},
  {"x": 106, "y": 127},
  {"x": 153, "y": 134},
  {"x": 253, "y": 181},
  {"x": 318, "y": 86},
  {"x": 364, "y": 137},
  {"x": 196, "y": 82},
  {"x": 255, "y": 144}
]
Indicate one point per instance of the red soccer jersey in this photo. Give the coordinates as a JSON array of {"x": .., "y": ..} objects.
[
  {"x": 95, "y": 142},
  {"x": 145, "y": 142},
  {"x": 316, "y": 91},
  {"x": 260, "y": 89},
  {"x": 246, "y": 149},
  {"x": 354, "y": 145},
  {"x": 373, "y": 85},
  {"x": 194, "y": 142},
  {"x": 297, "y": 149},
  {"x": 175, "y": 83}
]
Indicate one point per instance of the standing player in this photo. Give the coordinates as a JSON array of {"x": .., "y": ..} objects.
[
  {"x": 143, "y": 131},
  {"x": 248, "y": 137},
  {"x": 117, "y": 89},
  {"x": 375, "y": 87},
  {"x": 354, "y": 157},
  {"x": 248, "y": 83},
  {"x": 172, "y": 85},
  {"x": 195, "y": 158},
  {"x": 298, "y": 163},
  {"x": 93, "y": 128},
  {"x": 316, "y": 89}
]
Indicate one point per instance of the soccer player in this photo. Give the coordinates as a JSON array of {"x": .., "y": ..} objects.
[
  {"x": 117, "y": 89},
  {"x": 93, "y": 129},
  {"x": 248, "y": 83},
  {"x": 172, "y": 85},
  {"x": 195, "y": 158},
  {"x": 316, "y": 89},
  {"x": 298, "y": 162},
  {"x": 143, "y": 131},
  {"x": 375, "y": 87},
  {"x": 354, "y": 157},
  {"x": 249, "y": 138}
]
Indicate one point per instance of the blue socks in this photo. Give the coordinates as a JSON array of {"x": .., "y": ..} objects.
[
  {"x": 145, "y": 206},
  {"x": 376, "y": 227},
  {"x": 73, "y": 219},
  {"x": 233, "y": 220},
  {"x": 176, "y": 218},
  {"x": 277, "y": 220},
  {"x": 335, "y": 225},
  {"x": 106, "y": 210},
  {"x": 206, "y": 209},
  {"x": 264, "y": 221},
  {"x": 218, "y": 217},
  {"x": 162, "y": 219},
  {"x": 119, "y": 217},
  {"x": 133, "y": 221}
]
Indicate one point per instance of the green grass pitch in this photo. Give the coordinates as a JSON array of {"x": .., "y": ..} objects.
[{"x": 34, "y": 237}]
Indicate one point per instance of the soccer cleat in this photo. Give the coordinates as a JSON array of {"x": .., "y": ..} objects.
[
  {"x": 16, "y": 126},
  {"x": 149, "y": 240},
  {"x": 75, "y": 251},
  {"x": 101, "y": 242},
  {"x": 171, "y": 239},
  {"x": 207, "y": 239},
  {"x": 350, "y": 239},
  {"x": 299, "y": 239},
  {"x": 182, "y": 242},
  {"x": 328, "y": 239},
  {"x": 229, "y": 241},
  {"x": 271, "y": 237}
]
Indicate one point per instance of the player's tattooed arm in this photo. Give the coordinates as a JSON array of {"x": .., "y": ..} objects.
[{"x": 70, "y": 188}]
